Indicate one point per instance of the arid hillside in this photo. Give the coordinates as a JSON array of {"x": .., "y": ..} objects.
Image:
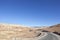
[
  {"x": 54, "y": 28},
  {"x": 8, "y": 31}
]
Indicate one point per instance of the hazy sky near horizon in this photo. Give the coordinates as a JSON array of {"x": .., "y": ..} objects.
[{"x": 30, "y": 12}]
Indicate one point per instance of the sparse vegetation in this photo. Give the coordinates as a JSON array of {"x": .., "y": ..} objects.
[
  {"x": 56, "y": 33},
  {"x": 45, "y": 31}
]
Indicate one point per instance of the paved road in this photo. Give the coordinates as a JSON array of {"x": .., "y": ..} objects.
[
  {"x": 47, "y": 36},
  {"x": 50, "y": 36}
]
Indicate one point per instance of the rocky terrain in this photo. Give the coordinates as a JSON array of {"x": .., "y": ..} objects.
[
  {"x": 8, "y": 31},
  {"x": 53, "y": 28}
]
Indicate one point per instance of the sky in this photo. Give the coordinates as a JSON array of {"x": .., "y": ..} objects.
[{"x": 30, "y": 12}]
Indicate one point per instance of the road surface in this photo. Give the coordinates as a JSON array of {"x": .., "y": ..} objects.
[{"x": 50, "y": 36}]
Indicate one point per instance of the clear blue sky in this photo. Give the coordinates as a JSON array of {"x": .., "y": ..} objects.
[{"x": 30, "y": 12}]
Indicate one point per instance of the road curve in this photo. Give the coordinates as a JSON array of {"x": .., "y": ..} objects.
[{"x": 50, "y": 36}]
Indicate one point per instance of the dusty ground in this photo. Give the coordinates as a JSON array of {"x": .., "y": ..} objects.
[{"x": 9, "y": 31}]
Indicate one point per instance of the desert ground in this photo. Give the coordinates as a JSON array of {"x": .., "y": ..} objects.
[{"x": 16, "y": 32}]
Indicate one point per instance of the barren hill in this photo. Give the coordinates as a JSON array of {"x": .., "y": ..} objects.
[
  {"x": 54, "y": 28},
  {"x": 7, "y": 31}
]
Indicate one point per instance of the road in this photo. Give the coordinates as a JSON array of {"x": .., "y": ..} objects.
[
  {"x": 50, "y": 36},
  {"x": 47, "y": 36}
]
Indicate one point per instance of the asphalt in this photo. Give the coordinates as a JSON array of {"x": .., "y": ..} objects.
[{"x": 50, "y": 36}]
